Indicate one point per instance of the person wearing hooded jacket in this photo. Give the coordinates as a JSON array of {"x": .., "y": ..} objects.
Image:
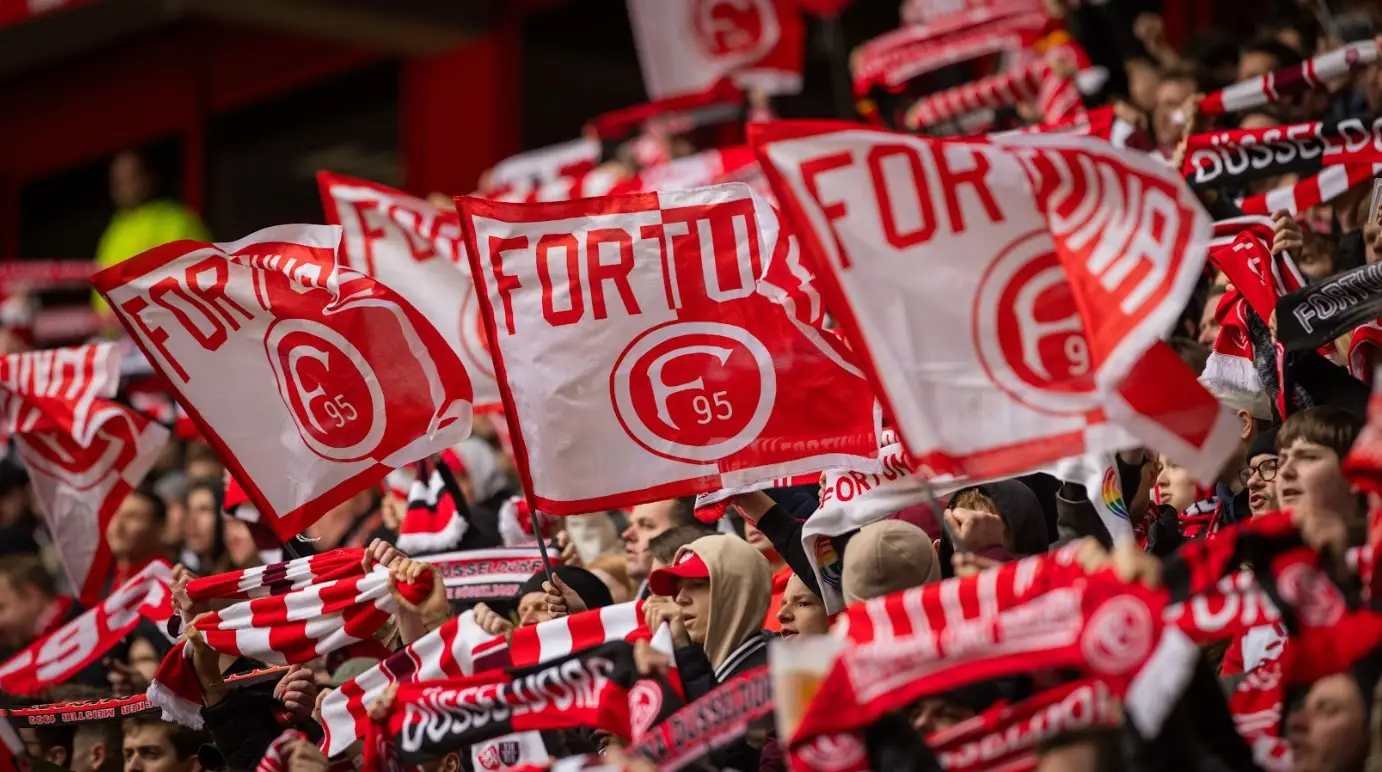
[{"x": 715, "y": 596}]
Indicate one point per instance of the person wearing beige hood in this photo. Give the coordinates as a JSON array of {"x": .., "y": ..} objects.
[{"x": 715, "y": 596}]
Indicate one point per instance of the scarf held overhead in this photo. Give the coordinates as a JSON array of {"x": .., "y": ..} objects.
[
  {"x": 1234, "y": 158},
  {"x": 294, "y": 612},
  {"x": 594, "y": 688}
]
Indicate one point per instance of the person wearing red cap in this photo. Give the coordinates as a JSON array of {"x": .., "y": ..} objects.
[{"x": 714, "y": 597}]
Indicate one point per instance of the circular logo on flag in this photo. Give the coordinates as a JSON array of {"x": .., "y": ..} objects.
[
  {"x": 645, "y": 701},
  {"x": 1028, "y": 330},
  {"x": 1118, "y": 637},
  {"x": 82, "y": 466},
  {"x": 694, "y": 391},
  {"x": 732, "y": 28},
  {"x": 330, "y": 389},
  {"x": 474, "y": 336}
]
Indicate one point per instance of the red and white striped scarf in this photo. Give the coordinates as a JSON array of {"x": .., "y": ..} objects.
[
  {"x": 1292, "y": 79},
  {"x": 278, "y": 578},
  {"x": 460, "y": 648},
  {"x": 275, "y": 759},
  {"x": 1100, "y": 122},
  {"x": 1236, "y": 157},
  {"x": 1322, "y": 188},
  {"x": 433, "y": 522},
  {"x": 1056, "y": 98},
  {"x": 294, "y": 612},
  {"x": 893, "y": 59},
  {"x": 953, "y": 601}
]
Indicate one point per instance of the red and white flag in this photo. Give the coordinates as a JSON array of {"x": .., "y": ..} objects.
[
  {"x": 13, "y": 756},
  {"x": 310, "y": 379},
  {"x": 1022, "y": 280},
  {"x": 84, "y": 452},
  {"x": 690, "y": 46},
  {"x": 638, "y": 359},
  {"x": 53, "y": 659},
  {"x": 418, "y": 251},
  {"x": 544, "y": 164},
  {"x": 692, "y": 171}
]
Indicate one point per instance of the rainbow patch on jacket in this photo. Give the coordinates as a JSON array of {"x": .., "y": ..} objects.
[
  {"x": 828, "y": 561},
  {"x": 1112, "y": 493}
]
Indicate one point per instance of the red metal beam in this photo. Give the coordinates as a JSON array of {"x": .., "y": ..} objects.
[
  {"x": 92, "y": 107},
  {"x": 459, "y": 112}
]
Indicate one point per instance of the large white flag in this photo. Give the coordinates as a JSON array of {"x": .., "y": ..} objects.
[{"x": 1009, "y": 294}]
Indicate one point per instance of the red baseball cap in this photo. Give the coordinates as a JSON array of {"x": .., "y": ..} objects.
[{"x": 688, "y": 565}]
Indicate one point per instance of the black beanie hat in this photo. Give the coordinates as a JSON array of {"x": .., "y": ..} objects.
[
  {"x": 1263, "y": 444},
  {"x": 587, "y": 585}
]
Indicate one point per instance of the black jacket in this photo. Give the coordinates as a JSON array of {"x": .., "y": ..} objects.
[
  {"x": 698, "y": 678},
  {"x": 245, "y": 723}
]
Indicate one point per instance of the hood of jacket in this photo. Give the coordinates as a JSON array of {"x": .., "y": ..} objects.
[{"x": 741, "y": 588}]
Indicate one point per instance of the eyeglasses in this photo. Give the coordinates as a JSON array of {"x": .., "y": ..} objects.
[{"x": 1266, "y": 469}]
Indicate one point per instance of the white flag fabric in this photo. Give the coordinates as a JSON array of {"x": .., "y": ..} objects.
[
  {"x": 639, "y": 359},
  {"x": 852, "y": 499},
  {"x": 1098, "y": 473},
  {"x": 311, "y": 380},
  {"x": 418, "y": 251},
  {"x": 1009, "y": 295},
  {"x": 542, "y": 165},
  {"x": 84, "y": 452},
  {"x": 689, "y": 46}
]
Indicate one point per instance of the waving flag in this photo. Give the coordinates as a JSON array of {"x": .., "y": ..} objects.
[
  {"x": 1024, "y": 279},
  {"x": 311, "y": 380},
  {"x": 63, "y": 653},
  {"x": 639, "y": 358},
  {"x": 689, "y": 46},
  {"x": 83, "y": 451},
  {"x": 418, "y": 251}
]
